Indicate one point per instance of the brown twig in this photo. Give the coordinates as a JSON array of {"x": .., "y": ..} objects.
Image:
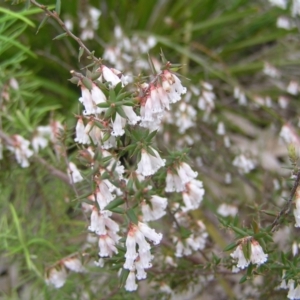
[
  {"x": 55, "y": 16},
  {"x": 285, "y": 210}
]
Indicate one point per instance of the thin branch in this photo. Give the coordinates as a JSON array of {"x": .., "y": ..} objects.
[
  {"x": 52, "y": 170},
  {"x": 55, "y": 16},
  {"x": 285, "y": 210}
]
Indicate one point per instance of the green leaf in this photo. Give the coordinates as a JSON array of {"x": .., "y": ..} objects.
[
  {"x": 45, "y": 19},
  {"x": 222, "y": 20},
  {"x": 246, "y": 246},
  {"x": 24, "y": 121},
  {"x": 103, "y": 105},
  {"x": 81, "y": 51},
  {"x": 87, "y": 83},
  {"x": 95, "y": 75},
  {"x": 117, "y": 210},
  {"x": 122, "y": 96},
  {"x": 60, "y": 36},
  {"x": 121, "y": 112},
  {"x": 13, "y": 15},
  {"x": 132, "y": 216},
  {"x": 230, "y": 246},
  {"x": 109, "y": 112},
  {"x": 184, "y": 232},
  {"x": 123, "y": 277},
  {"x": 243, "y": 279},
  {"x": 17, "y": 44},
  {"x": 239, "y": 231},
  {"x": 113, "y": 204},
  {"x": 58, "y": 7},
  {"x": 151, "y": 64},
  {"x": 151, "y": 136},
  {"x": 255, "y": 227}
]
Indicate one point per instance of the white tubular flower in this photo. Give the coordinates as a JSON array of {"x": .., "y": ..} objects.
[
  {"x": 297, "y": 208},
  {"x": 293, "y": 88},
  {"x": 294, "y": 293},
  {"x": 271, "y": 71},
  {"x": 124, "y": 79},
  {"x": 21, "y": 150},
  {"x": 118, "y": 124},
  {"x": 56, "y": 277},
  {"x": 193, "y": 195},
  {"x": 81, "y": 136},
  {"x": 226, "y": 210},
  {"x": 207, "y": 97},
  {"x": 283, "y": 284},
  {"x": 196, "y": 241},
  {"x": 186, "y": 173},
  {"x": 148, "y": 165},
  {"x": 173, "y": 183},
  {"x": 100, "y": 222},
  {"x": 244, "y": 164},
  {"x": 279, "y": 3},
  {"x": 138, "y": 235},
  {"x": 150, "y": 233},
  {"x": 140, "y": 270},
  {"x": 150, "y": 120},
  {"x": 295, "y": 248},
  {"x": 157, "y": 100},
  {"x": 110, "y": 76},
  {"x": 97, "y": 97},
  {"x": 96, "y": 134},
  {"x": 156, "y": 210},
  {"x": 295, "y": 9},
  {"x": 221, "y": 129},
  {"x": 107, "y": 246},
  {"x": 130, "y": 284},
  {"x": 73, "y": 173},
  {"x": 104, "y": 196},
  {"x": 41, "y": 138},
  {"x": 172, "y": 85},
  {"x": 257, "y": 253},
  {"x": 283, "y": 102},
  {"x": 114, "y": 165},
  {"x": 238, "y": 94},
  {"x": 87, "y": 101},
  {"x": 131, "y": 253},
  {"x": 181, "y": 249},
  {"x": 133, "y": 118},
  {"x": 285, "y": 23},
  {"x": 74, "y": 264},
  {"x": 289, "y": 135},
  {"x": 238, "y": 254},
  {"x": 185, "y": 117}
]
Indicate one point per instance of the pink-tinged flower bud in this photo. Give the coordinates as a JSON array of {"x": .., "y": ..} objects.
[
  {"x": 56, "y": 276},
  {"x": 74, "y": 264}
]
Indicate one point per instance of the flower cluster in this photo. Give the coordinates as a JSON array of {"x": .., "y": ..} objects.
[
  {"x": 106, "y": 116},
  {"x": 23, "y": 149},
  {"x": 256, "y": 255},
  {"x": 139, "y": 259},
  {"x": 56, "y": 276},
  {"x": 157, "y": 96}
]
